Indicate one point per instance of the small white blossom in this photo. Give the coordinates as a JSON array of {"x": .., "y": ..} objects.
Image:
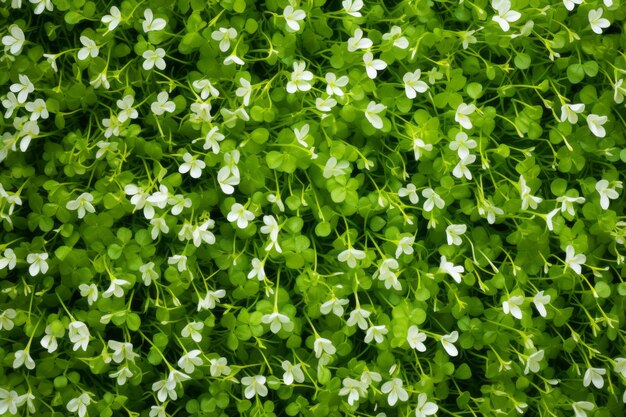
[
  {"x": 350, "y": 256},
  {"x": 596, "y": 21},
  {"x": 372, "y": 66},
  {"x": 595, "y": 123},
  {"x": 79, "y": 404},
  {"x": 512, "y": 306},
  {"x": 505, "y": 14},
  {"x": 37, "y": 263},
  {"x": 293, "y": 373},
  {"x": 462, "y": 113},
  {"x": 413, "y": 84},
  {"x": 240, "y": 215},
  {"x": 394, "y": 391},
  {"x": 219, "y": 367},
  {"x": 372, "y": 114},
  {"x": 81, "y": 205},
  {"x": 154, "y": 58},
  {"x": 22, "y": 357},
  {"x": 90, "y": 291},
  {"x": 447, "y": 341},
  {"x": 449, "y": 268},
  {"x": 79, "y": 335},
  {"x": 150, "y": 24},
  {"x": 192, "y": 165},
  {"x": 89, "y": 49},
  {"x": 190, "y": 360},
  {"x": 276, "y": 321},
  {"x": 22, "y": 88},
  {"x": 113, "y": 19},
  {"x": 300, "y": 78},
  {"x": 424, "y": 407},
  {"x": 607, "y": 193},
  {"x": 357, "y": 41},
  {"x": 532, "y": 363},
  {"x": 416, "y": 339},
  {"x": 352, "y": 7},
  {"x": 334, "y": 85},
  {"x": 254, "y": 385},
  {"x": 193, "y": 330},
  {"x": 293, "y": 17},
  {"x": 116, "y": 288},
  {"x": 14, "y": 41},
  {"x": 322, "y": 345},
  {"x": 163, "y": 104},
  {"x": 581, "y": 407},
  {"x": 573, "y": 260},
  {"x": 334, "y": 304},
  {"x": 570, "y": 112},
  {"x": 376, "y": 333},
  {"x": 358, "y": 316},
  {"x": 594, "y": 375},
  {"x": 540, "y": 300},
  {"x": 224, "y": 36}
]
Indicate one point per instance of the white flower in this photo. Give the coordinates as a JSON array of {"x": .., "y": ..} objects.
[
  {"x": 211, "y": 298},
  {"x": 192, "y": 165},
  {"x": 594, "y": 375},
  {"x": 580, "y": 408},
  {"x": 22, "y": 88},
  {"x": 425, "y": 408},
  {"x": 322, "y": 345},
  {"x": 448, "y": 268},
  {"x": 37, "y": 263},
  {"x": 512, "y": 306},
  {"x": 505, "y": 14},
  {"x": 150, "y": 24},
  {"x": 113, "y": 19},
  {"x": 79, "y": 404},
  {"x": 461, "y": 170},
  {"x": 596, "y": 21},
  {"x": 219, "y": 367},
  {"x": 454, "y": 232},
  {"x": 371, "y": 114},
  {"x": 82, "y": 204},
  {"x": 334, "y": 304},
  {"x": 490, "y": 210},
  {"x": 37, "y": 109},
  {"x": 190, "y": 360},
  {"x": 325, "y": 104},
  {"x": 595, "y": 123},
  {"x": 358, "y": 316},
  {"x": 292, "y": 373},
  {"x": 416, "y": 339},
  {"x": 224, "y": 36},
  {"x": 418, "y": 146},
  {"x": 409, "y": 191},
  {"x": 405, "y": 246},
  {"x": 413, "y": 85},
  {"x": 334, "y": 84},
  {"x": 205, "y": 88},
  {"x": 126, "y": 107},
  {"x": 9, "y": 401},
  {"x": 158, "y": 226},
  {"x": 354, "y": 389},
  {"x": 461, "y": 115},
  {"x": 376, "y": 333},
  {"x": 122, "y": 351},
  {"x": 254, "y": 384},
  {"x": 116, "y": 288},
  {"x": 162, "y": 104},
  {"x": 573, "y": 260},
  {"x": 299, "y": 78},
  {"x": 570, "y": 4},
  {"x": 620, "y": 366},
  {"x": 447, "y": 341},
  {"x": 528, "y": 200},
  {"x": 122, "y": 375},
  {"x": 468, "y": 38},
  {"x": 79, "y": 334},
  {"x": 395, "y": 391},
  {"x": 11, "y": 104},
  {"x": 154, "y": 58},
  {"x": 570, "y": 112},
  {"x": 245, "y": 91},
  {"x": 179, "y": 260},
  {"x": 233, "y": 59},
  {"x": 373, "y": 65},
  {"x": 357, "y": 41},
  {"x": 462, "y": 144},
  {"x": 399, "y": 41},
  {"x": 350, "y": 256},
  {"x": 22, "y": 357},
  {"x": 301, "y": 134},
  {"x": 90, "y": 291},
  {"x": 276, "y": 321},
  {"x": 619, "y": 91},
  {"x": 8, "y": 259},
  {"x": 352, "y": 7},
  {"x": 567, "y": 203},
  {"x": 212, "y": 140},
  {"x": 100, "y": 80},
  {"x": 540, "y": 300},
  {"x": 193, "y": 330},
  {"x": 607, "y": 193},
  {"x": 42, "y": 5},
  {"x": 148, "y": 274},
  {"x": 292, "y": 17},
  {"x": 386, "y": 273},
  {"x": 271, "y": 228},
  {"x": 333, "y": 168},
  {"x": 165, "y": 388},
  {"x": 239, "y": 214},
  {"x": 432, "y": 200},
  {"x": 532, "y": 363},
  {"x": 6, "y": 319},
  {"x": 14, "y": 41},
  {"x": 89, "y": 48},
  {"x": 200, "y": 112},
  {"x": 257, "y": 270}
]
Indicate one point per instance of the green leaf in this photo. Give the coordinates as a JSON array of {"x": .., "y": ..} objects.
[{"x": 522, "y": 61}]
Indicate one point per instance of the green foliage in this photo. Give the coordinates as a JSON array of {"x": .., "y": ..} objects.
[{"x": 321, "y": 208}]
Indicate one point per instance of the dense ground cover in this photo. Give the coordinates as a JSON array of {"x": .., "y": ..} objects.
[{"x": 312, "y": 208}]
